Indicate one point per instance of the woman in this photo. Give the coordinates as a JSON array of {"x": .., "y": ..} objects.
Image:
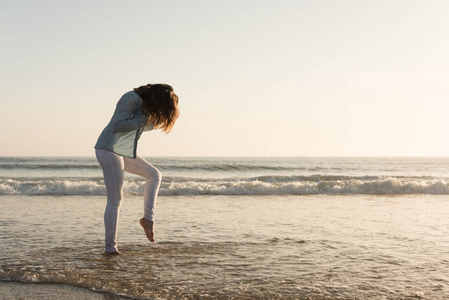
[{"x": 152, "y": 106}]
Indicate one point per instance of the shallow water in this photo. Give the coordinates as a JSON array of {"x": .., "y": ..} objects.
[{"x": 291, "y": 247}]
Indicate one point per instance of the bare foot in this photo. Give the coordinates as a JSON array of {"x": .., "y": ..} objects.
[{"x": 148, "y": 226}]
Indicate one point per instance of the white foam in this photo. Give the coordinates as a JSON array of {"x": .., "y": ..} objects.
[{"x": 244, "y": 186}]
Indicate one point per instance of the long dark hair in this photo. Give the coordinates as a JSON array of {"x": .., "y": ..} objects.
[{"x": 160, "y": 104}]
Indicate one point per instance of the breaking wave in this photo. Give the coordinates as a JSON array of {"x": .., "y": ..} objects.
[{"x": 263, "y": 185}]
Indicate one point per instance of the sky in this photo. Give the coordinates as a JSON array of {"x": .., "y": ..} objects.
[{"x": 254, "y": 78}]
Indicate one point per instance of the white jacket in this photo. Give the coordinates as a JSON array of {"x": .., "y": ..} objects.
[{"x": 127, "y": 124}]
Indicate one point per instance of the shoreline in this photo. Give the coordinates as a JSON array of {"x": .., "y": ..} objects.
[{"x": 22, "y": 290}]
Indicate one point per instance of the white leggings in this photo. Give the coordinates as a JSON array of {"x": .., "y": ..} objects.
[{"x": 114, "y": 167}]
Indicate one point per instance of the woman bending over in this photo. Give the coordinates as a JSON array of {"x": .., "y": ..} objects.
[{"x": 152, "y": 106}]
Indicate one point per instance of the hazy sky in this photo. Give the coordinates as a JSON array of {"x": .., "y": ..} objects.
[{"x": 254, "y": 78}]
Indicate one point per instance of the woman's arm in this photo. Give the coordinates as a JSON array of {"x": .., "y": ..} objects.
[{"x": 123, "y": 119}]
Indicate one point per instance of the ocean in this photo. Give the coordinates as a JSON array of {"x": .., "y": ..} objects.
[{"x": 232, "y": 228}]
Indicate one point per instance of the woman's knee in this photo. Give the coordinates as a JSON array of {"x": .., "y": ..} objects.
[
  {"x": 154, "y": 174},
  {"x": 114, "y": 198}
]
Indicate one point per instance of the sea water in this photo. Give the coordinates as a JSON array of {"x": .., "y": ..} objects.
[{"x": 269, "y": 228}]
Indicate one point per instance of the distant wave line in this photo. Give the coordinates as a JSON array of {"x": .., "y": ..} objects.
[{"x": 165, "y": 167}]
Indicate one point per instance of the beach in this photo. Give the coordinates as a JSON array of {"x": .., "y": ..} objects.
[
  {"x": 16, "y": 290},
  {"x": 226, "y": 243},
  {"x": 296, "y": 150}
]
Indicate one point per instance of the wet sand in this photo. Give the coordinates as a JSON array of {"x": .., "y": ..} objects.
[{"x": 17, "y": 290}]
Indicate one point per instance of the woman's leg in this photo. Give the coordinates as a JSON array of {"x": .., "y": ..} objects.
[
  {"x": 143, "y": 168},
  {"x": 113, "y": 173}
]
